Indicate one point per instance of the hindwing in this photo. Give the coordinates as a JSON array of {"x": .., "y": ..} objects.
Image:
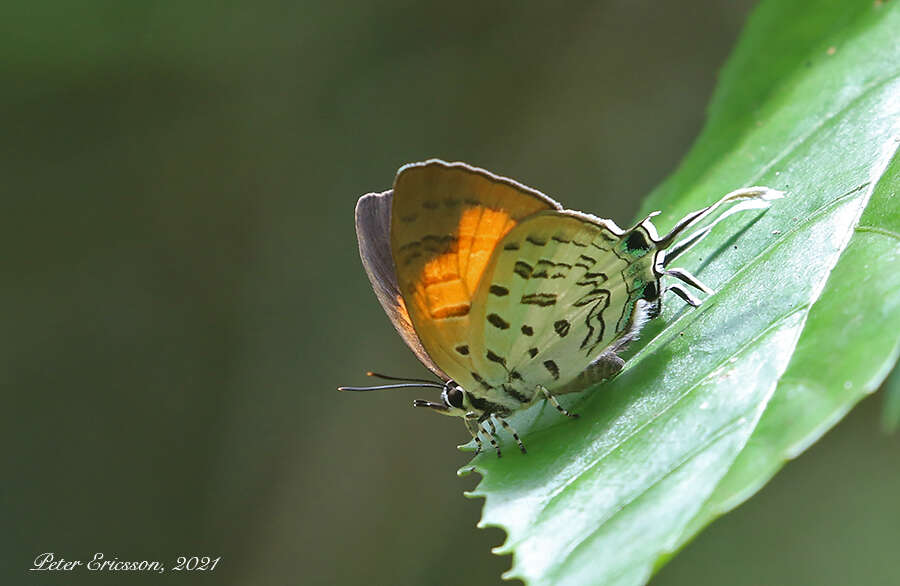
[{"x": 561, "y": 288}]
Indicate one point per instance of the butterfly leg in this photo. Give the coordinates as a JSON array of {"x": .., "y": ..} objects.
[
  {"x": 429, "y": 404},
  {"x": 555, "y": 403},
  {"x": 473, "y": 430},
  {"x": 491, "y": 434},
  {"x": 512, "y": 432}
]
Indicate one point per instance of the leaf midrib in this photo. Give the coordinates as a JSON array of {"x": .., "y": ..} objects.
[
  {"x": 717, "y": 434},
  {"x": 716, "y": 366}
]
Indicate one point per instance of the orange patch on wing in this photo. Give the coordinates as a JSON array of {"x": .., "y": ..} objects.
[
  {"x": 450, "y": 279},
  {"x": 447, "y": 299},
  {"x": 493, "y": 226}
]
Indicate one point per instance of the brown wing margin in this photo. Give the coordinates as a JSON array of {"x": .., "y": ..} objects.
[{"x": 373, "y": 223}]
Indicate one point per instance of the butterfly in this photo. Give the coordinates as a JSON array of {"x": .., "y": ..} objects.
[{"x": 507, "y": 297}]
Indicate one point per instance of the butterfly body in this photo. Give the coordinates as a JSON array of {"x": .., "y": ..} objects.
[{"x": 507, "y": 297}]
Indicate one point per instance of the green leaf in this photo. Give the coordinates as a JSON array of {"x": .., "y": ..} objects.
[
  {"x": 848, "y": 347},
  {"x": 803, "y": 324}
]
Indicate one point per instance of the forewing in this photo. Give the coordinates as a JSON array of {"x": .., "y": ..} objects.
[
  {"x": 373, "y": 224},
  {"x": 446, "y": 220},
  {"x": 561, "y": 288}
]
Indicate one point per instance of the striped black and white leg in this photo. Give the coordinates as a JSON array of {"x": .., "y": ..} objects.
[
  {"x": 492, "y": 435},
  {"x": 429, "y": 405},
  {"x": 473, "y": 430},
  {"x": 512, "y": 432},
  {"x": 555, "y": 403}
]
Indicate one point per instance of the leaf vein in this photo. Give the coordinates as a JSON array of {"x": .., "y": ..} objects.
[
  {"x": 823, "y": 123},
  {"x": 722, "y": 432},
  {"x": 672, "y": 404},
  {"x": 877, "y": 230}
]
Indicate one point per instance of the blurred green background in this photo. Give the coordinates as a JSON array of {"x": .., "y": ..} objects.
[{"x": 182, "y": 293}]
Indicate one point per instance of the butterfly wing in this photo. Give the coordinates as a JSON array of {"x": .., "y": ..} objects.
[
  {"x": 373, "y": 223},
  {"x": 446, "y": 220},
  {"x": 562, "y": 289}
]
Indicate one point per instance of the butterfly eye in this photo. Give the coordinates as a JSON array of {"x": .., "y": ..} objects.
[{"x": 455, "y": 397}]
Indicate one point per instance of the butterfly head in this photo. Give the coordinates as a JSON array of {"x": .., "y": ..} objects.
[{"x": 455, "y": 402}]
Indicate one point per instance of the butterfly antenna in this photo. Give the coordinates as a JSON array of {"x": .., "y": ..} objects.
[
  {"x": 394, "y": 386},
  {"x": 404, "y": 383},
  {"x": 403, "y": 379}
]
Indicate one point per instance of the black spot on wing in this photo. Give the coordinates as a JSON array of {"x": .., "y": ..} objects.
[
  {"x": 480, "y": 381},
  {"x": 499, "y": 290},
  {"x": 527, "y": 330},
  {"x": 523, "y": 269},
  {"x": 636, "y": 242},
  {"x": 511, "y": 246},
  {"x": 497, "y": 321},
  {"x": 539, "y": 299},
  {"x": 486, "y": 406},
  {"x": 552, "y": 368},
  {"x": 537, "y": 241},
  {"x": 509, "y": 390},
  {"x": 437, "y": 244},
  {"x": 561, "y": 327},
  {"x": 493, "y": 357},
  {"x": 410, "y": 245},
  {"x": 464, "y": 350},
  {"x": 591, "y": 296},
  {"x": 592, "y": 279},
  {"x": 543, "y": 266},
  {"x": 533, "y": 352},
  {"x": 594, "y": 322}
]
